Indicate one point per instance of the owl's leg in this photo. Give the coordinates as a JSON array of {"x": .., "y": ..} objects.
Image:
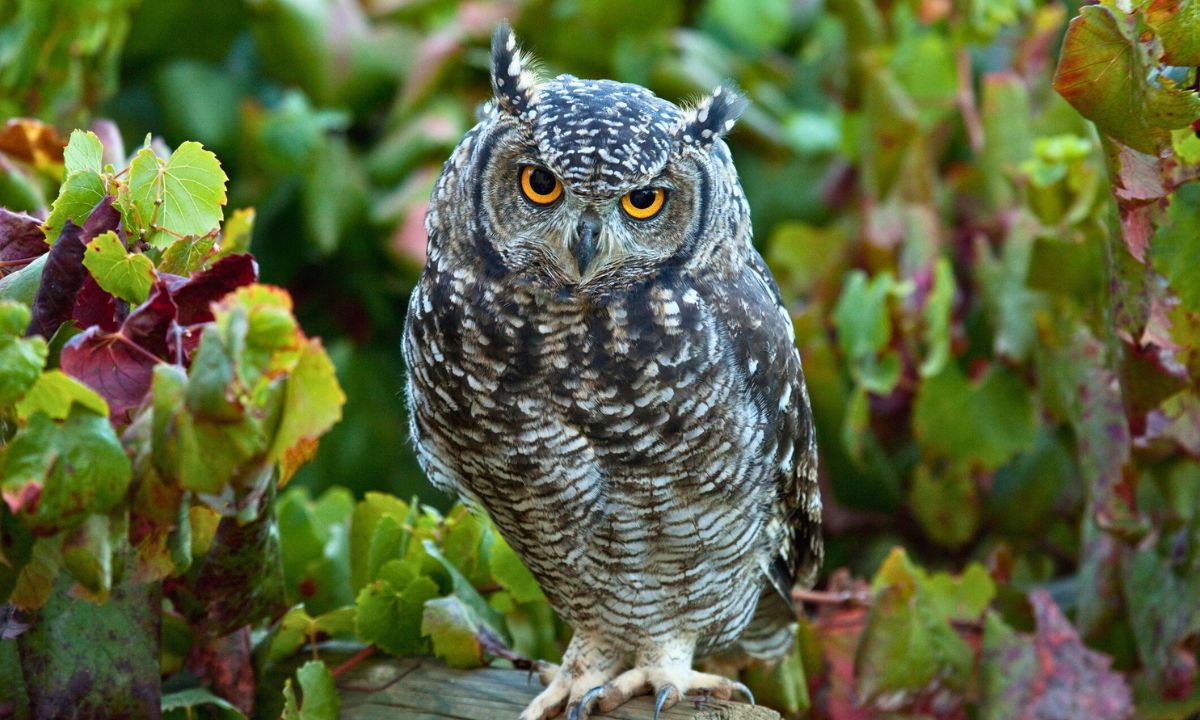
[
  {"x": 589, "y": 661},
  {"x": 667, "y": 673}
]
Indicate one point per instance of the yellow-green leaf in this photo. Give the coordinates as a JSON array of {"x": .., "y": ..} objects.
[
  {"x": 119, "y": 272},
  {"x": 182, "y": 196}
]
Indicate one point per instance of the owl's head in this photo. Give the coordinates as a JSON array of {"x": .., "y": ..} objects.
[{"x": 577, "y": 183}]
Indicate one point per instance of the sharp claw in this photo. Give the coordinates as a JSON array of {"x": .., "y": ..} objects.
[
  {"x": 740, "y": 687},
  {"x": 663, "y": 695},
  {"x": 584, "y": 704}
]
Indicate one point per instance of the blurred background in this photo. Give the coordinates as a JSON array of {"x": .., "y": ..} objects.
[
  {"x": 937, "y": 216},
  {"x": 873, "y": 195}
]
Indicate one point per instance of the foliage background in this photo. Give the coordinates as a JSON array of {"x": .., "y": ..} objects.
[{"x": 1001, "y": 356}]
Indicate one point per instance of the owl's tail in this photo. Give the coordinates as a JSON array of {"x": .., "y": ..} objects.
[{"x": 771, "y": 630}]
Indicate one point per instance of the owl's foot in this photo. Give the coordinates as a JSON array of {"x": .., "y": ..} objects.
[
  {"x": 587, "y": 663},
  {"x": 668, "y": 684}
]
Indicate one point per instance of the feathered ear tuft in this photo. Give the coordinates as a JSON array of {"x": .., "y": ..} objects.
[
  {"x": 712, "y": 118},
  {"x": 512, "y": 77}
]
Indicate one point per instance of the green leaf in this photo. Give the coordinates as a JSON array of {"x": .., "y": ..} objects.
[
  {"x": 512, "y": 574},
  {"x": 22, "y": 286},
  {"x": 72, "y": 470},
  {"x": 121, "y": 273},
  {"x": 962, "y": 598},
  {"x": 1175, "y": 247},
  {"x": 36, "y": 578},
  {"x": 79, "y": 194},
  {"x": 59, "y": 654},
  {"x": 319, "y": 698},
  {"x": 186, "y": 255},
  {"x": 946, "y": 505},
  {"x": 391, "y": 619},
  {"x": 1164, "y": 608},
  {"x": 1176, "y": 22},
  {"x": 315, "y": 548},
  {"x": 21, "y": 361},
  {"x": 467, "y": 592},
  {"x": 781, "y": 685},
  {"x": 985, "y": 422},
  {"x": 182, "y": 196},
  {"x": 237, "y": 232},
  {"x": 864, "y": 328},
  {"x": 186, "y": 704},
  {"x": 907, "y": 650},
  {"x": 367, "y": 515},
  {"x": 1103, "y": 72},
  {"x": 83, "y": 153},
  {"x": 297, "y": 628},
  {"x": 756, "y": 24},
  {"x": 891, "y": 134},
  {"x": 14, "y": 318},
  {"x": 54, "y": 393},
  {"x": 454, "y": 630},
  {"x": 937, "y": 319},
  {"x": 87, "y": 553},
  {"x": 312, "y": 404}
]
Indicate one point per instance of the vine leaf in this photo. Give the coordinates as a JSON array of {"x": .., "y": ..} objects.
[
  {"x": 313, "y": 404},
  {"x": 120, "y": 365},
  {"x": 1102, "y": 72},
  {"x": 79, "y": 194},
  {"x": 58, "y": 474},
  {"x": 83, "y": 153},
  {"x": 119, "y": 272},
  {"x": 390, "y": 617},
  {"x": 54, "y": 393},
  {"x": 1175, "y": 22},
  {"x": 1175, "y": 247},
  {"x": 63, "y": 274},
  {"x": 319, "y": 695},
  {"x": 21, "y": 358},
  {"x": 182, "y": 196},
  {"x": 1051, "y": 674},
  {"x": 21, "y": 238}
]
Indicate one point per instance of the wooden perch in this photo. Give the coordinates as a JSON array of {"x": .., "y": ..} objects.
[{"x": 425, "y": 689}]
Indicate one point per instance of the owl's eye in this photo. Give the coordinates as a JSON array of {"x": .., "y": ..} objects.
[
  {"x": 539, "y": 185},
  {"x": 643, "y": 203}
]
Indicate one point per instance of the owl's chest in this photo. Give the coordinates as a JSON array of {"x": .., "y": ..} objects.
[
  {"x": 646, "y": 358},
  {"x": 640, "y": 379}
]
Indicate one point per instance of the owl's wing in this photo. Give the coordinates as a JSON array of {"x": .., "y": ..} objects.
[{"x": 762, "y": 342}]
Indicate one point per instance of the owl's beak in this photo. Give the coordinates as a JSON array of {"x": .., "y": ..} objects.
[{"x": 584, "y": 247}]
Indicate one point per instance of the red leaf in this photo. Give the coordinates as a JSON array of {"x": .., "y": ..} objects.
[
  {"x": 1053, "y": 674},
  {"x": 21, "y": 238},
  {"x": 94, "y": 306},
  {"x": 194, "y": 295},
  {"x": 120, "y": 365},
  {"x": 1075, "y": 674},
  {"x": 63, "y": 276},
  {"x": 226, "y": 662}
]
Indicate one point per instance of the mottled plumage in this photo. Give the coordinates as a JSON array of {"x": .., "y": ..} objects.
[{"x": 621, "y": 396}]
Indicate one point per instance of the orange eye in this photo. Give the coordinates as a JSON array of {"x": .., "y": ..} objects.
[
  {"x": 540, "y": 185},
  {"x": 643, "y": 203}
]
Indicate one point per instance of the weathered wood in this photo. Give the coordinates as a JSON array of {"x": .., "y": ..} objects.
[{"x": 425, "y": 689}]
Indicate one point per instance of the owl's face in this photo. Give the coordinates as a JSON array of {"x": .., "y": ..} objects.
[{"x": 577, "y": 182}]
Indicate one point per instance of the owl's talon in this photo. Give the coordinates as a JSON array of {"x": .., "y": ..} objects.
[
  {"x": 580, "y": 710},
  {"x": 741, "y": 687},
  {"x": 665, "y": 699}
]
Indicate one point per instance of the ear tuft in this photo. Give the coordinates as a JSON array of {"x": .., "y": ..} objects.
[
  {"x": 512, "y": 77},
  {"x": 712, "y": 118}
]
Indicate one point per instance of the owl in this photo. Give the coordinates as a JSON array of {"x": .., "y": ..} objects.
[{"x": 599, "y": 359}]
